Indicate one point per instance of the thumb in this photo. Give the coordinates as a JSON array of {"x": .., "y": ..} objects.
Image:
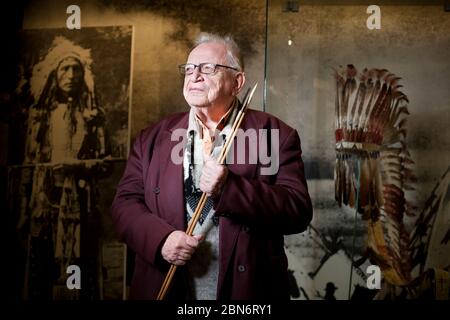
[
  {"x": 193, "y": 241},
  {"x": 199, "y": 237}
]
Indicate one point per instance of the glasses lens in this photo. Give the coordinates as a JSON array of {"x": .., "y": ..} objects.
[
  {"x": 186, "y": 68},
  {"x": 207, "y": 68},
  {"x": 189, "y": 68}
]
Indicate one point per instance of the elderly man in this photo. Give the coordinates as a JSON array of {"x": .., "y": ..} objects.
[{"x": 237, "y": 250}]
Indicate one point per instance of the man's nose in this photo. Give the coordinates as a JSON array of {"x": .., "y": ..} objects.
[
  {"x": 196, "y": 75},
  {"x": 70, "y": 73}
]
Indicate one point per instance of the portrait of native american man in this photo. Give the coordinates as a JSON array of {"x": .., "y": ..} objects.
[{"x": 65, "y": 122}]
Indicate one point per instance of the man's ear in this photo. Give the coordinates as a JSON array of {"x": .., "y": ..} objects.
[{"x": 239, "y": 82}]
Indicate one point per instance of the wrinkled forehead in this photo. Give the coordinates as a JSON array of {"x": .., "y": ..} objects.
[
  {"x": 69, "y": 62},
  {"x": 213, "y": 52}
]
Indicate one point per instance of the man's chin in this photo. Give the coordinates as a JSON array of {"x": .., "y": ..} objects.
[
  {"x": 68, "y": 89},
  {"x": 198, "y": 103}
]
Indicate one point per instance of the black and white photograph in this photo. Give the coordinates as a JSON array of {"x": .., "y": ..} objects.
[
  {"x": 61, "y": 219},
  {"x": 73, "y": 95}
]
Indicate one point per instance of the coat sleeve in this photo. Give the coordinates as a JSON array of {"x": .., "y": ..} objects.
[
  {"x": 284, "y": 206},
  {"x": 142, "y": 230}
]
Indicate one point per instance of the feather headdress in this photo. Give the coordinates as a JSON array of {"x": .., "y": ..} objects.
[
  {"x": 373, "y": 164},
  {"x": 60, "y": 49}
]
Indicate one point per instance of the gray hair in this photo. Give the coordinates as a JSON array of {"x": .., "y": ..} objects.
[{"x": 234, "y": 55}]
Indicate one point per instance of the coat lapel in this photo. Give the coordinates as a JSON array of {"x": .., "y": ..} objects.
[
  {"x": 229, "y": 230},
  {"x": 171, "y": 179}
]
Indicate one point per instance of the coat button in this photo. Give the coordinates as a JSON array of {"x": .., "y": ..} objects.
[
  {"x": 246, "y": 229},
  {"x": 241, "y": 268},
  {"x": 156, "y": 190}
]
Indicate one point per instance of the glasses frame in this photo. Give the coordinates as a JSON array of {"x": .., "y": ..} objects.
[{"x": 182, "y": 68}]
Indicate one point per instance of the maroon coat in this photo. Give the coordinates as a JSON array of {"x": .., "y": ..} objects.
[{"x": 255, "y": 212}]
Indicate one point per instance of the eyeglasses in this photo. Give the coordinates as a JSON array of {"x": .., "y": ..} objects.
[{"x": 205, "y": 68}]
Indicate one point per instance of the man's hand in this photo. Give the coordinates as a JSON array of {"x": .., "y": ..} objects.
[
  {"x": 213, "y": 177},
  {"x": 179, "y": 247}
]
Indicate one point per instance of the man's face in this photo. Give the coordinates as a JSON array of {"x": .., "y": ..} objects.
[
  {"x": 69, "y": 75},
  {"x": 205, "y": 90}
]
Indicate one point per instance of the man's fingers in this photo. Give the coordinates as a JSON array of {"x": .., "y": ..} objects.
[
  {"x": 192, "y": 242},
  {"x": 186, "y": 256},
  {"x": 185, "y": 248},
  {"x": 179, "y": 247},
  {"x": 213, "y": 175},
  {"x": 179, "y": 262},
  {"x": 180, "y": 258},
  {"x": 205, "y": 187},
  {"x": 183, "y": 256}
]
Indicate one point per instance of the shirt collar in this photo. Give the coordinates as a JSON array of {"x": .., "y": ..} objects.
[{"x": 196, "y": 124}]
